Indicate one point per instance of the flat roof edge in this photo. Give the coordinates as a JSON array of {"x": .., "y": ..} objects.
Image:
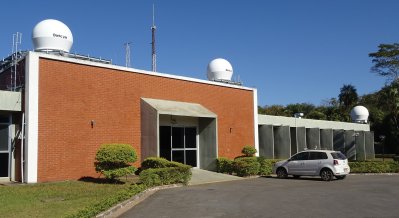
[
  {"x": 309, "y": 123},
  {"x": 133, "y": 70}
]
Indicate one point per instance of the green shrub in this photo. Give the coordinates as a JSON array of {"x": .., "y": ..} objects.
[
  {"x": 246, "y": 166},
  {"x": 155, "y": 162},
  {"x": 224, "y": 165},
  {"x": 374, "y": 167},
  {"x": 396, "y": 158},
  {"x": 266, "y": 166},
  {"x": 92, "y": 211},
  {"x": 159, "y": 171},
  {"x": 248, "y": 150},
  {"x": 113, "y": 160}
]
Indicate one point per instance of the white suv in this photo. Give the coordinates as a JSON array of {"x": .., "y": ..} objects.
[{"x": 325, "y": 164}]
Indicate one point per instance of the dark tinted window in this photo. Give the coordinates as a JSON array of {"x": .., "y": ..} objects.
[
  {"x": 317, "y": 156},
  {"x": 338, "y": 156},
  {"x": 301, "y": 156}
]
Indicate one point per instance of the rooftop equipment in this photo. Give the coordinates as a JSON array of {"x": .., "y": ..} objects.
[
  {"x": 52, "y": 35},
  {"x": 359, "y": 114}
]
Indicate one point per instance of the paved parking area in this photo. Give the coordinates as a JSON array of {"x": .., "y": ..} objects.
[{"x": 356, "y": 196}]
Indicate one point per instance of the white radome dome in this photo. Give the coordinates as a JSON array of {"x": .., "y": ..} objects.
[
  {"x": 219, "y": 69},
  {"x": 52, "y": 35},
  {"x": 359, "y": 114}
]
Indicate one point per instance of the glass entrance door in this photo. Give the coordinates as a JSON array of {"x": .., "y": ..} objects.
[
  {"x": 4, "y": 151},
  {"x": 179, "y": 144}
]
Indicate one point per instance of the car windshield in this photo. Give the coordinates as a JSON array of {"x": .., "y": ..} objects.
[{"x": 338, "y": 155}]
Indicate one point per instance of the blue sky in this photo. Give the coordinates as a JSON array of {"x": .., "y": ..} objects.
[{"x": 291, "y": 51}]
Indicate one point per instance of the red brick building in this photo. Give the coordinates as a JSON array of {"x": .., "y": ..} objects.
[{"x": 72, "y": 106}]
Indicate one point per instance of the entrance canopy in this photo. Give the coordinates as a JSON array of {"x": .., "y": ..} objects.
[{"x": 179, "y": 108}]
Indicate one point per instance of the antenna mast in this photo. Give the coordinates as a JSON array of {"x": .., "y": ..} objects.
[
  {"x": 127, "y": 55},
  {"x": 16, "y": 40},
  {"x": 153, "y": 51}
]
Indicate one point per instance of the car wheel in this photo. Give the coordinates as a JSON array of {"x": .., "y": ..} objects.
[
  {"x": 326, "y": 175},
  {"x": 281, "y": 173},
  {"x": 340, "y": 177},
  {"x": 296, "y": 176}
]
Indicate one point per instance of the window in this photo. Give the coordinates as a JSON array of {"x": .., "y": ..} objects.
[
  {"x": 338, "y": 156},
  {"x": 301, "y": 156},
  {"x": 318, "y": 156}
]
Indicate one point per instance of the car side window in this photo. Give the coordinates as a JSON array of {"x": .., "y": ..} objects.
[
  {"x": 317, "y": 156},
  {"x": 301, "y": 156}
]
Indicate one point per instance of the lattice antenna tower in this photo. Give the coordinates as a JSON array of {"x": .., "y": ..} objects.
[
  {"x": 16, "y": 40},
  {"x": 127, "y": 53},
  {"x": 153, "y": 51}
]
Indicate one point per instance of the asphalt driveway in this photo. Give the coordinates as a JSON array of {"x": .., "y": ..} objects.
[{"x": 356, "y": 196}]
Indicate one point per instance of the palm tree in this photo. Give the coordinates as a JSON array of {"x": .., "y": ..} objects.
[{"x": 348, "y": 96}]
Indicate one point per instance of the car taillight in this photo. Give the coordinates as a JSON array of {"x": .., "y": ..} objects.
[{"x": 335, "y": 162}]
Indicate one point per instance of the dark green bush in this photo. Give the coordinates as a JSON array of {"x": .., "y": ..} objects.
[
  {"x": 224, "y": 165},
  {"x": 266, "y": 166},
  {"x": 396, "y": 158},
  {"x": 248, "y": 150},
  {"x": 159, "y": 171},
  {"x": 155, "y": 162},
  {"x": 246, "y": 166},
  {"x": 374, "y": 167},
  {"x": 113, "y": 160}
]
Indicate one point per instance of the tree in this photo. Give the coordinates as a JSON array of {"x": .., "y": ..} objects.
[
  {"x": 386, "y": 61},
  {"x": 113, "y": 160},
  {"x": 348, "y": 97}
]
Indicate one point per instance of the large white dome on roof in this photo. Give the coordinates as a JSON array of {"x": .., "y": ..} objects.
[
  {"x": 52, "y": 35},
  {"x": 359, "y": 114},
  {"x": 219, "y": 69}
]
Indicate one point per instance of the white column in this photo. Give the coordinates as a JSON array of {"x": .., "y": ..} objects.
[
  {"x": 32, "y": 116},
  {"x": 256, "y": 130}
]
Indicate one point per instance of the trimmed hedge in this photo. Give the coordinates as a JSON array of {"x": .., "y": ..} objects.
[
  {"x": 224, "y": 165},
  {"x": 246, "y": 166},
  {"x": 374, "y": 167},
  {"x": 266, "y": 166},
  {"x": 155, "y": 162},
  {"x": 248, "y": 150},
  {"x": 159, "y": 171},
  {"x": 113, "y": 160}
]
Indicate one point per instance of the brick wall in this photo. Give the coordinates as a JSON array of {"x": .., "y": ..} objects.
[{"x": 71, "y": 95}]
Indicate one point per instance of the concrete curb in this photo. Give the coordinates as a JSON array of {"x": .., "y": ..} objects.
[{"x": 122, "y": 207}]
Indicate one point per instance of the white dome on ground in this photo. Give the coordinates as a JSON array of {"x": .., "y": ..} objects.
[
  {"x": 52, "y": 35},
  {"x": 359, "y": 114},
  {"x": 219, "y": 69}
]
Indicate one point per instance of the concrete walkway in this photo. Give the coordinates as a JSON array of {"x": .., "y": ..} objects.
[{"x": 203, "y": 177}]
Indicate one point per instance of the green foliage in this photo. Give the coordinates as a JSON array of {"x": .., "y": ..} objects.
[
  {"x": 117, "y": 153},
  {"x": 317, "y": 115},
  {"x": 248, "y": 150},
  {"x": 159, "y": 171},
  {"x": 155, "y": 162},
  {"x": 93, "y": 210},
  {"x": 374, "y": 167},
  {"x": 224, "y": 165},
  {"x": 266, "y": 166},
  {"x": 386, "y": 61},
  {"x": 246, "y": 166},
  {"x": 113, "y": 160},
  {"x": 348, "y": 97}
]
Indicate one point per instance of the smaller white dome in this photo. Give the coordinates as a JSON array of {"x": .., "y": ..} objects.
[
  {"x": 359, "y": 114},
  {"x": 219, "y": 69},
  {"x": 52, "y": 35}
]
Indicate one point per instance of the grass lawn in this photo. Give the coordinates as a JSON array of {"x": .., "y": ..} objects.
[{"x": 54, "y": 199}]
